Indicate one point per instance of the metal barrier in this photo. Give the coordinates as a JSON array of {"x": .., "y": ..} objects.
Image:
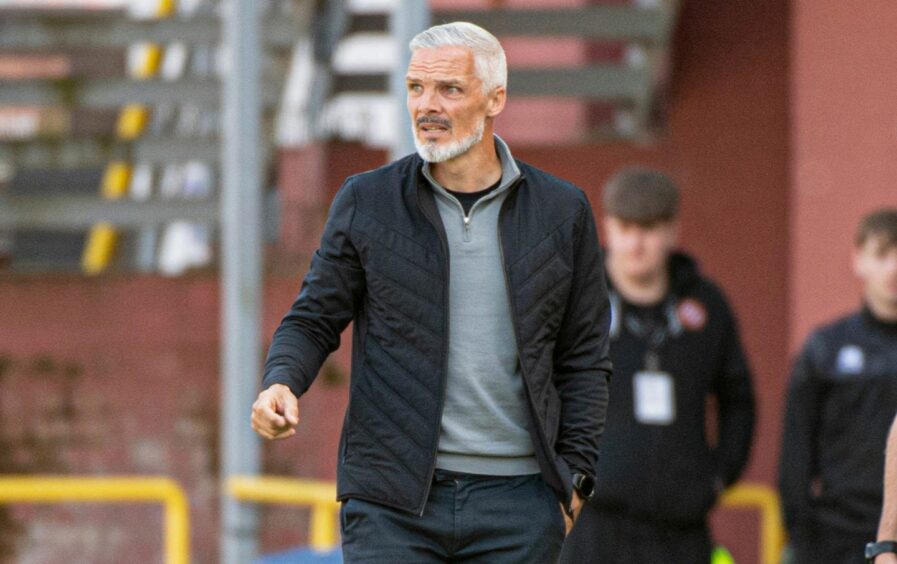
[
  {"x": 49, "y": 489},
  {"x": 763, "y": 498},
  {"x": 319, "y": 495}
]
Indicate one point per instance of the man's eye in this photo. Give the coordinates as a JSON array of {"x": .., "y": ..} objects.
[
  {"x": 453, "y": 90},
  {"x": 416, "y": 88}
]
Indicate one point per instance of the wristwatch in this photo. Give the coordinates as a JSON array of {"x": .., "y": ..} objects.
[
  {"x": 873, "y": 549},
  {"x": 584, "y": 485}
]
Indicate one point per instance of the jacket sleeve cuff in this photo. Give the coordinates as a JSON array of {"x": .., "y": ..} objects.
[{"x": 281, "y": 377}]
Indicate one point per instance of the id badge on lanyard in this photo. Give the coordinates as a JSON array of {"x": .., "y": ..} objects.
[{"x": 654, "y": 394}]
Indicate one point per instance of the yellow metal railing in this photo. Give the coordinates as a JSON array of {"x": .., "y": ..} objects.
[
  {"x": 764, "y": 499},
  {"x": 319, "y": 495},
  {"x": 50, "y": 489}
]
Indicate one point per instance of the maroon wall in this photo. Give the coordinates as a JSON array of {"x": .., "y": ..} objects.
[
  {"x": 120, "y": 376},
  {"x": 844, "y": 134}
]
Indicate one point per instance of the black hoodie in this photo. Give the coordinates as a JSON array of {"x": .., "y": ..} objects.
[{"x": 672, "y": 472}]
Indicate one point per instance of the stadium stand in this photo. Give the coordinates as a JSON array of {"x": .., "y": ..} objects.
[{"x": 119, "y": 98}]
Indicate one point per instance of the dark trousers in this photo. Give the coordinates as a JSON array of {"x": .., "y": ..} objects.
[
  {"x": 470, "y": 519},
  {"x": 604, "y": 537},
  {"x": 832, "y": 546}
]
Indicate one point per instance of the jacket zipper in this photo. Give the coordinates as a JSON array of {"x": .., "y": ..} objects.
[
  {"x": 529, "y": 396},
  {"x": 443, "y": 239}
]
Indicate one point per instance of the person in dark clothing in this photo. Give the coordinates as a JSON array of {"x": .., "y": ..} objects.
[
  {"x": 480, "y": 358},
  {"x": 676, "y": 352},
  {"x": 884, "y": 549},
  {"x": 841, "y": 400}
]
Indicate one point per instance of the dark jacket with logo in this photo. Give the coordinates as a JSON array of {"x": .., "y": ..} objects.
[
  {"x": 841, "y": 401},
  {"x": 671, "y": 473},
  {"x": 384, "y": 263}
]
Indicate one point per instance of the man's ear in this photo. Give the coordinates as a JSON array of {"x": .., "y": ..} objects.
[{"x": 496, "y": 103}]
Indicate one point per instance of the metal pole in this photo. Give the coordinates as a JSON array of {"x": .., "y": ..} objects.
[
  {"x": 241, "y": 266},
  {"x": 409, "y": 17}
]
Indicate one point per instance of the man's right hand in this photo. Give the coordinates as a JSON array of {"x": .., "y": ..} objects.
[
  {"x": 275, "y": 413},
  {"x": 888, "y": 558}
]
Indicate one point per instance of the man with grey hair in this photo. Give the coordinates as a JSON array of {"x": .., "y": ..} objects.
[{"x": 480, "y": 340}]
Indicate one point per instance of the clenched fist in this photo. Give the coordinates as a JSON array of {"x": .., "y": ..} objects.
[{"x": 275, "y": 413}]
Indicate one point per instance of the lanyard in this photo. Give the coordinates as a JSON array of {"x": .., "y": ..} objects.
[{"x": 652, "y": 332}]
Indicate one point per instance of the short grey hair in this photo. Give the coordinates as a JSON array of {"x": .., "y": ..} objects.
[{"x": 490, "y": 63}]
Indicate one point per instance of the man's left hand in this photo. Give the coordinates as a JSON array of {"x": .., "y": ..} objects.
[{"x": 576, "y": 506}]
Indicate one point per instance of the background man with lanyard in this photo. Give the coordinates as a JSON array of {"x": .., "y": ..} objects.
[{"x": 674, "y": 344}]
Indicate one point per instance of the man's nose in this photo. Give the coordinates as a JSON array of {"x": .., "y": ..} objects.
[
  {"x": 428, "y": 102},
  {"x": 634, "y": 239}
]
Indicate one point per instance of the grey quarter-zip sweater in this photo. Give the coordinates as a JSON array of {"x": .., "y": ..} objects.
[{"x": 484, "y": 422}]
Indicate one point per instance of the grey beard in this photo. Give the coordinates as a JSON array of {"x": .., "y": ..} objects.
[{"x": 433, "y": 153}]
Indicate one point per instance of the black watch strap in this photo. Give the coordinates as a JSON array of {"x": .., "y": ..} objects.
[
  {"x": 873, "y": 549},
  {"x": 584, "y": 486}
]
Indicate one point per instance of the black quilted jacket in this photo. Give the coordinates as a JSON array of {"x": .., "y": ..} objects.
[{"x": 383, "y": 262}]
